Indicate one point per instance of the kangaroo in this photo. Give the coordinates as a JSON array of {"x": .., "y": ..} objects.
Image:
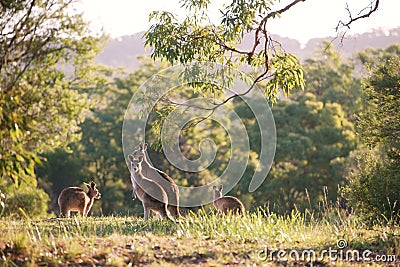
[
  {"x": 226, "y": 204},
  {"x": 163, "y": 179},
  {"x": 76, "y": 199},
  {"x": 146, "y": 188}
]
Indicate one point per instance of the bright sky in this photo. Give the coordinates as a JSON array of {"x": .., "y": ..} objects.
[{"x": 306, "y": 20}]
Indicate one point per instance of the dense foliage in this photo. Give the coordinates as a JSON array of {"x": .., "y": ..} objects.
[{"x": 374, "y": 184}]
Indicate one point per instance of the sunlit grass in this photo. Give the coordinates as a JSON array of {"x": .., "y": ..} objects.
[{"x": 203, "y": 238}]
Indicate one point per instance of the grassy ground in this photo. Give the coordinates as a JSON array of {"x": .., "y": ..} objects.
[{"x": 255, "y": 239}]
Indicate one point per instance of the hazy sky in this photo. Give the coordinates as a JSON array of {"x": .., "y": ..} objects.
[{"x": 312, "y": 18}]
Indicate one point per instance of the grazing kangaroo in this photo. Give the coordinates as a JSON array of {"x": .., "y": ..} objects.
[
  {"x": 76, "y": 199},
  {"x": 146, "y": 188},
  {"x": 226, "y": 204},
  {"x": 163, "y": 179}
]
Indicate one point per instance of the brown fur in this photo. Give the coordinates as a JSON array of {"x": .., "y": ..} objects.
[
  {"x": 226, "y": 204},
  {"x": 76, "y": 199},
  {"x": 146, "y": 188},
  {"x": 160, "y": 177}
]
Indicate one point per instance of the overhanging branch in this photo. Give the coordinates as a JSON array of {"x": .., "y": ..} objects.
[{"x": 262, "y": 38}]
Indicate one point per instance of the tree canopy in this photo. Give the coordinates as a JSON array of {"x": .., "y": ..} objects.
[
  {"x": 374, "y": 183},
  {"x": 46, "y": 54},
  {"x": 196, "y": 39}
]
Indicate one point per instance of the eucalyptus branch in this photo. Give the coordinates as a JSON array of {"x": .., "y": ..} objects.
[
  {"x": 220, "y": 47},
  {"x": 261, "y": 26},
  {"x": 374, "y": 4},
  {"x": 216, "y": 106},
  {"x": 221, "y": 43},
  {"x": 372, "y": 8},
  {"x": 286, "y": 8}
]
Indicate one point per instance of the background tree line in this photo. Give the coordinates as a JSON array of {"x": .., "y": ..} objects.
[{"x": 337, "y": 141}]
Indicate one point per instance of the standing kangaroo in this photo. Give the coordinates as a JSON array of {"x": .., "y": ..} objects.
[
  {"x": 226, "y": 204},
  {"x": 146, "y": 189},
  {"x": 76, "y": 199},
  {"x": 163, "y": 179}
]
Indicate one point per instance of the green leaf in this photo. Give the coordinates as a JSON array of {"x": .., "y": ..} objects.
[{"x": 19, "y": 158}]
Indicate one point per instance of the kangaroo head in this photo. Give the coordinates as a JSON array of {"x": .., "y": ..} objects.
[
  {"x": 136, "y": 164},
  {"x": 217, "y": 190},
  {"x": 93, "y": 191},
  {"x": 140, "y": 152}
]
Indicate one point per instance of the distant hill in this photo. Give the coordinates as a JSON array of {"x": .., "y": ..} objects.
[{"x": 123, "y": 51}]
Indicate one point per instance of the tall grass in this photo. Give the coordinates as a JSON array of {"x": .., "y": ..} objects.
[{"x": 222, "y": 239}]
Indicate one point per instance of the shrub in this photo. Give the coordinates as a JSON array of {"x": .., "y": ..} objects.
[
  {"x": 373, "y": 189},
  {"x": 33, "y": 201}
]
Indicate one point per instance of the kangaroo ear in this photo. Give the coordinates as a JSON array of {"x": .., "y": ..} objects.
[
  {"x": 144, "y": 148},
  {"x": 214, "y": 187},
  {"x": 88, "y": 185},
  {"x": 92, "y": 184},
  {"x": 130, "y": 157},
  {"x": 220, "y": 188}
]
